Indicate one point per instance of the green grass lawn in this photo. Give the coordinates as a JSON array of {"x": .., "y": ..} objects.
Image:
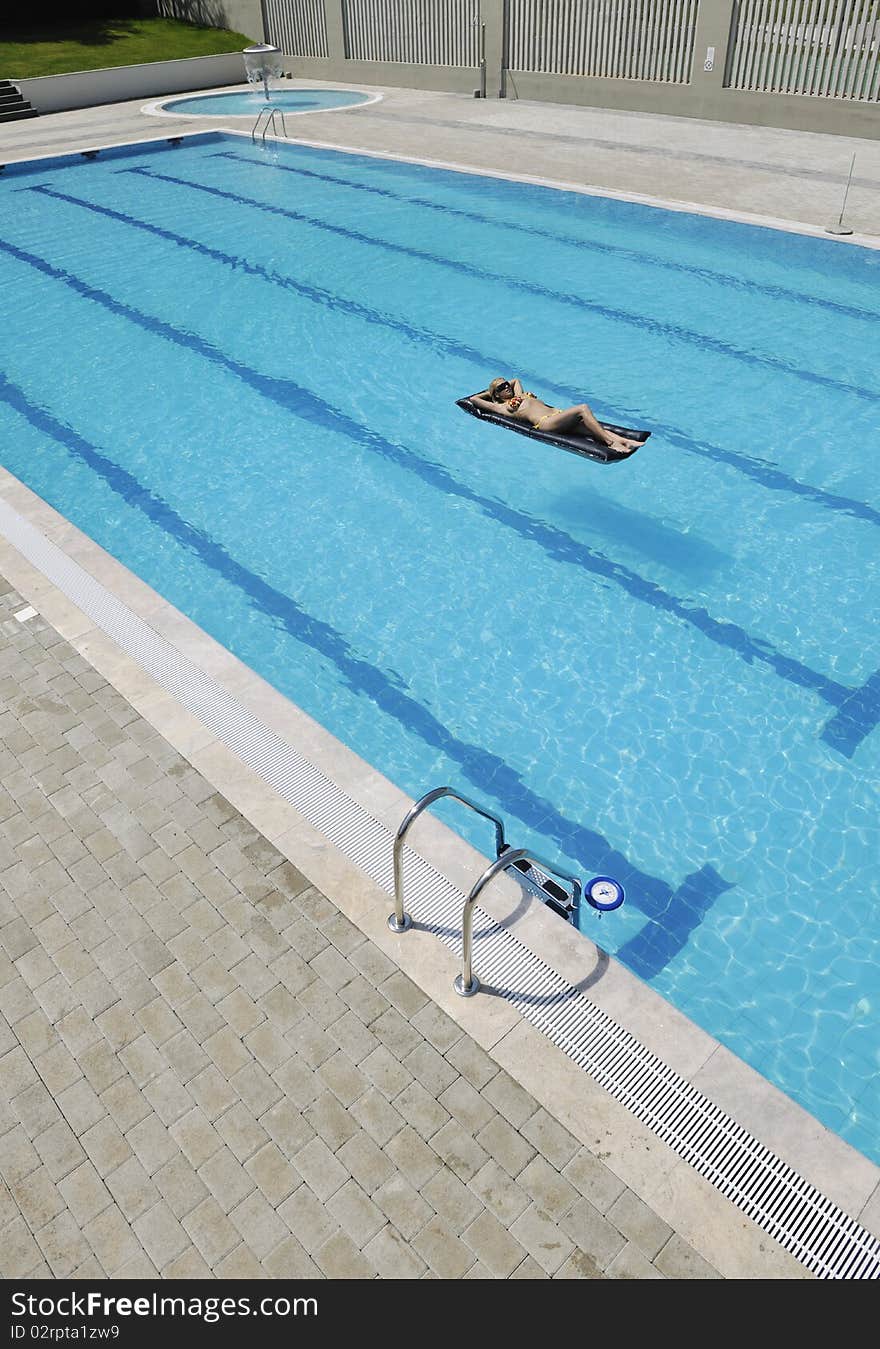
[{"x": 58, "y": 48}]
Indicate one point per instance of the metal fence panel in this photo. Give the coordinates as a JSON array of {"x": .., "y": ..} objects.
[
  {"x": 420, "y": 32},
  {"x": 824, "y": 48},
  {"x": 613, "y": 39},
  {"x": 298, "y": 27}
]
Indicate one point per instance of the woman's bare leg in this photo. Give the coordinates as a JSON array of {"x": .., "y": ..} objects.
[{"x": 581, "y": 417}]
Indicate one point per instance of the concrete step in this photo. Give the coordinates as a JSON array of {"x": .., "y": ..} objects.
[{"x": 13, "y": 104}]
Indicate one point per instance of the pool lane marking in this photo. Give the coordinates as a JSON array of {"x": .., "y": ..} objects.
[
  {"x": 855, "y": 719},
  {"x": 656, "y": 898},
  {"x": 669, "y": 331},
  {"x": 293, "y": 398},
  {"x": 594, "y": 246},
  {"x": 758, "y": 469}
]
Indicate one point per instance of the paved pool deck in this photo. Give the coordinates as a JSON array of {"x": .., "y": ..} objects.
[
  {"x": 797, "y": 177},
  {"x": 216, "y": 1057}
]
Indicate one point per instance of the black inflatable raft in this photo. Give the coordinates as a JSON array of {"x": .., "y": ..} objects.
[{"x": 577, "y": 444}]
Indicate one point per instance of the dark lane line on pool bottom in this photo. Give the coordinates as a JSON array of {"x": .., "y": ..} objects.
[
  {"x": 725, "y": 279},
  {"x": 760, "y": 470},
  {"x": 293, "y": 398},
  {"x": 678, "y": 911},
  {"x": 670, "y": 331}
]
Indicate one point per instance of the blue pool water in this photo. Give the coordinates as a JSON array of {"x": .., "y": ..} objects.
[
  {"x": 237, "y": 368},
  {"x": 249, "y": 103}
]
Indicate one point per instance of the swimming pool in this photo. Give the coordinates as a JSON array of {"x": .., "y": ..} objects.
[
  {"x": 250, "y": 102},
  {"x": 236, "y": 369}
]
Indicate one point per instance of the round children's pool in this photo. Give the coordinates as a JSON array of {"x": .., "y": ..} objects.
[{"x": 247, "y": 103}]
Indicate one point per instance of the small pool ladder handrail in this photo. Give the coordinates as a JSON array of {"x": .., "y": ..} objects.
[
  {"x": 269, "y": 111},
  {"x": 466, "y": 983},
  {"x": 400, "y": 921}
]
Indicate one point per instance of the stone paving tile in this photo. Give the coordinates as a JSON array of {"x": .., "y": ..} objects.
[
  {"x": 226, "y": 1178},
  {"x": 206, "y": 1069},
  {"x": 550, "y": 1191},
  {"x": 631, "y": 1263},
  {"x": 339, "y": 1258},
  {"x": 631, "y": 1216},
  {"x": 403, "y": 1206},
  {"x": 210, "y": 1231},
  {"x": 260, "y": 1227},
  {"x": 454, "y": 1201},
  {"x": 593, "y": 1180},
  {"x": 493, "y": 1245},
  {"x": 308, "y": 1219},
  {"x": 542, "y": 1238},
  {"x": 592, "y": 1233},
  {"x": 275, "y": 1176},
  {"x": 678, "y": 1260},
  {"x": 290, "y": 1261},
  {"x": 501, "y": 1195},
  {"x": 443, "y": 1252}
]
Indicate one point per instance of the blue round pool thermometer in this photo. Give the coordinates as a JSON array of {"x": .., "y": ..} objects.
[{"x": 604, "y": 893}]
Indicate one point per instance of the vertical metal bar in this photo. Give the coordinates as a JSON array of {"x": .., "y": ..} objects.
[
  {"x": 589, "y": 67},
  {"x": 792, "y": 55},
  {"x": 780, "y": 29},
  {"x": 639, "y": 40},
  {"x": 624, "y": 57},
  {"x": 841, "y": 79},
  {"x": 576, "y": 46},
  {"x": 684, "y": 33},
  {"x": 766, "y": 44},
  {"x": 575, "y": 41},
  {"x": 652, "y": 39},
  {"x": 607, "y": 35},
  {"x": 872, "y": 65},
  {"x": 682, "y": 44},
  {"x": 752, "y": 46},
  {"x": 671, "y": 41},
  {"x": 834, "y": 54},
  {"x": 668, "y": 21},
  {"x": 811, "y": 65},
  {"x": 828, "y": 53},
  {"x": 740, "y": 43},
  {"x": 855, "y": 40},
  {"x": 614, "y": 43}
]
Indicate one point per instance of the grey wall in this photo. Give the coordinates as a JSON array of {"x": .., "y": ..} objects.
[
  {"x": 240, "y": 16},
  {"x": 88, "y": 88}
]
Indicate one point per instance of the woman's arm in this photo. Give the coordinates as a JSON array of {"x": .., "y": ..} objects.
[
  {"x": 486, "y": 404},
  {"x": 517, "y": 388}
]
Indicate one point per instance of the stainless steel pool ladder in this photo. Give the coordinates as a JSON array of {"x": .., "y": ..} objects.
[
  {"x": 466, "y": 983},
  {"x": 266, "y": 117}
]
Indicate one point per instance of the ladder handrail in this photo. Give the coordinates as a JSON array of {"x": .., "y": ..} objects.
[
  {"x": 466, "y": 983},
  {"x": 400, "y": 920},
  {"x": 269, "y": 110}
]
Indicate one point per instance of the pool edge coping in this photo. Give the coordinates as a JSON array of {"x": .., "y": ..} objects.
[{"x": 159, "y": 107}]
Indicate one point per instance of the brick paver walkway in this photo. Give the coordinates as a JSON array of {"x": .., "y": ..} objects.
[{"x": 207, "y": 1070}]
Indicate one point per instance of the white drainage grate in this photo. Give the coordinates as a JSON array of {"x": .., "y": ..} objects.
[{"x": 807, "y": 1224}]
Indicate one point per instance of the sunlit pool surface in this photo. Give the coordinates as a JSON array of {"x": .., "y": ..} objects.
[{"x": 236, "y": 369}]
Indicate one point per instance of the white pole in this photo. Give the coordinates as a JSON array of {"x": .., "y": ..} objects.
[{"x": 840, "y": 228}]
